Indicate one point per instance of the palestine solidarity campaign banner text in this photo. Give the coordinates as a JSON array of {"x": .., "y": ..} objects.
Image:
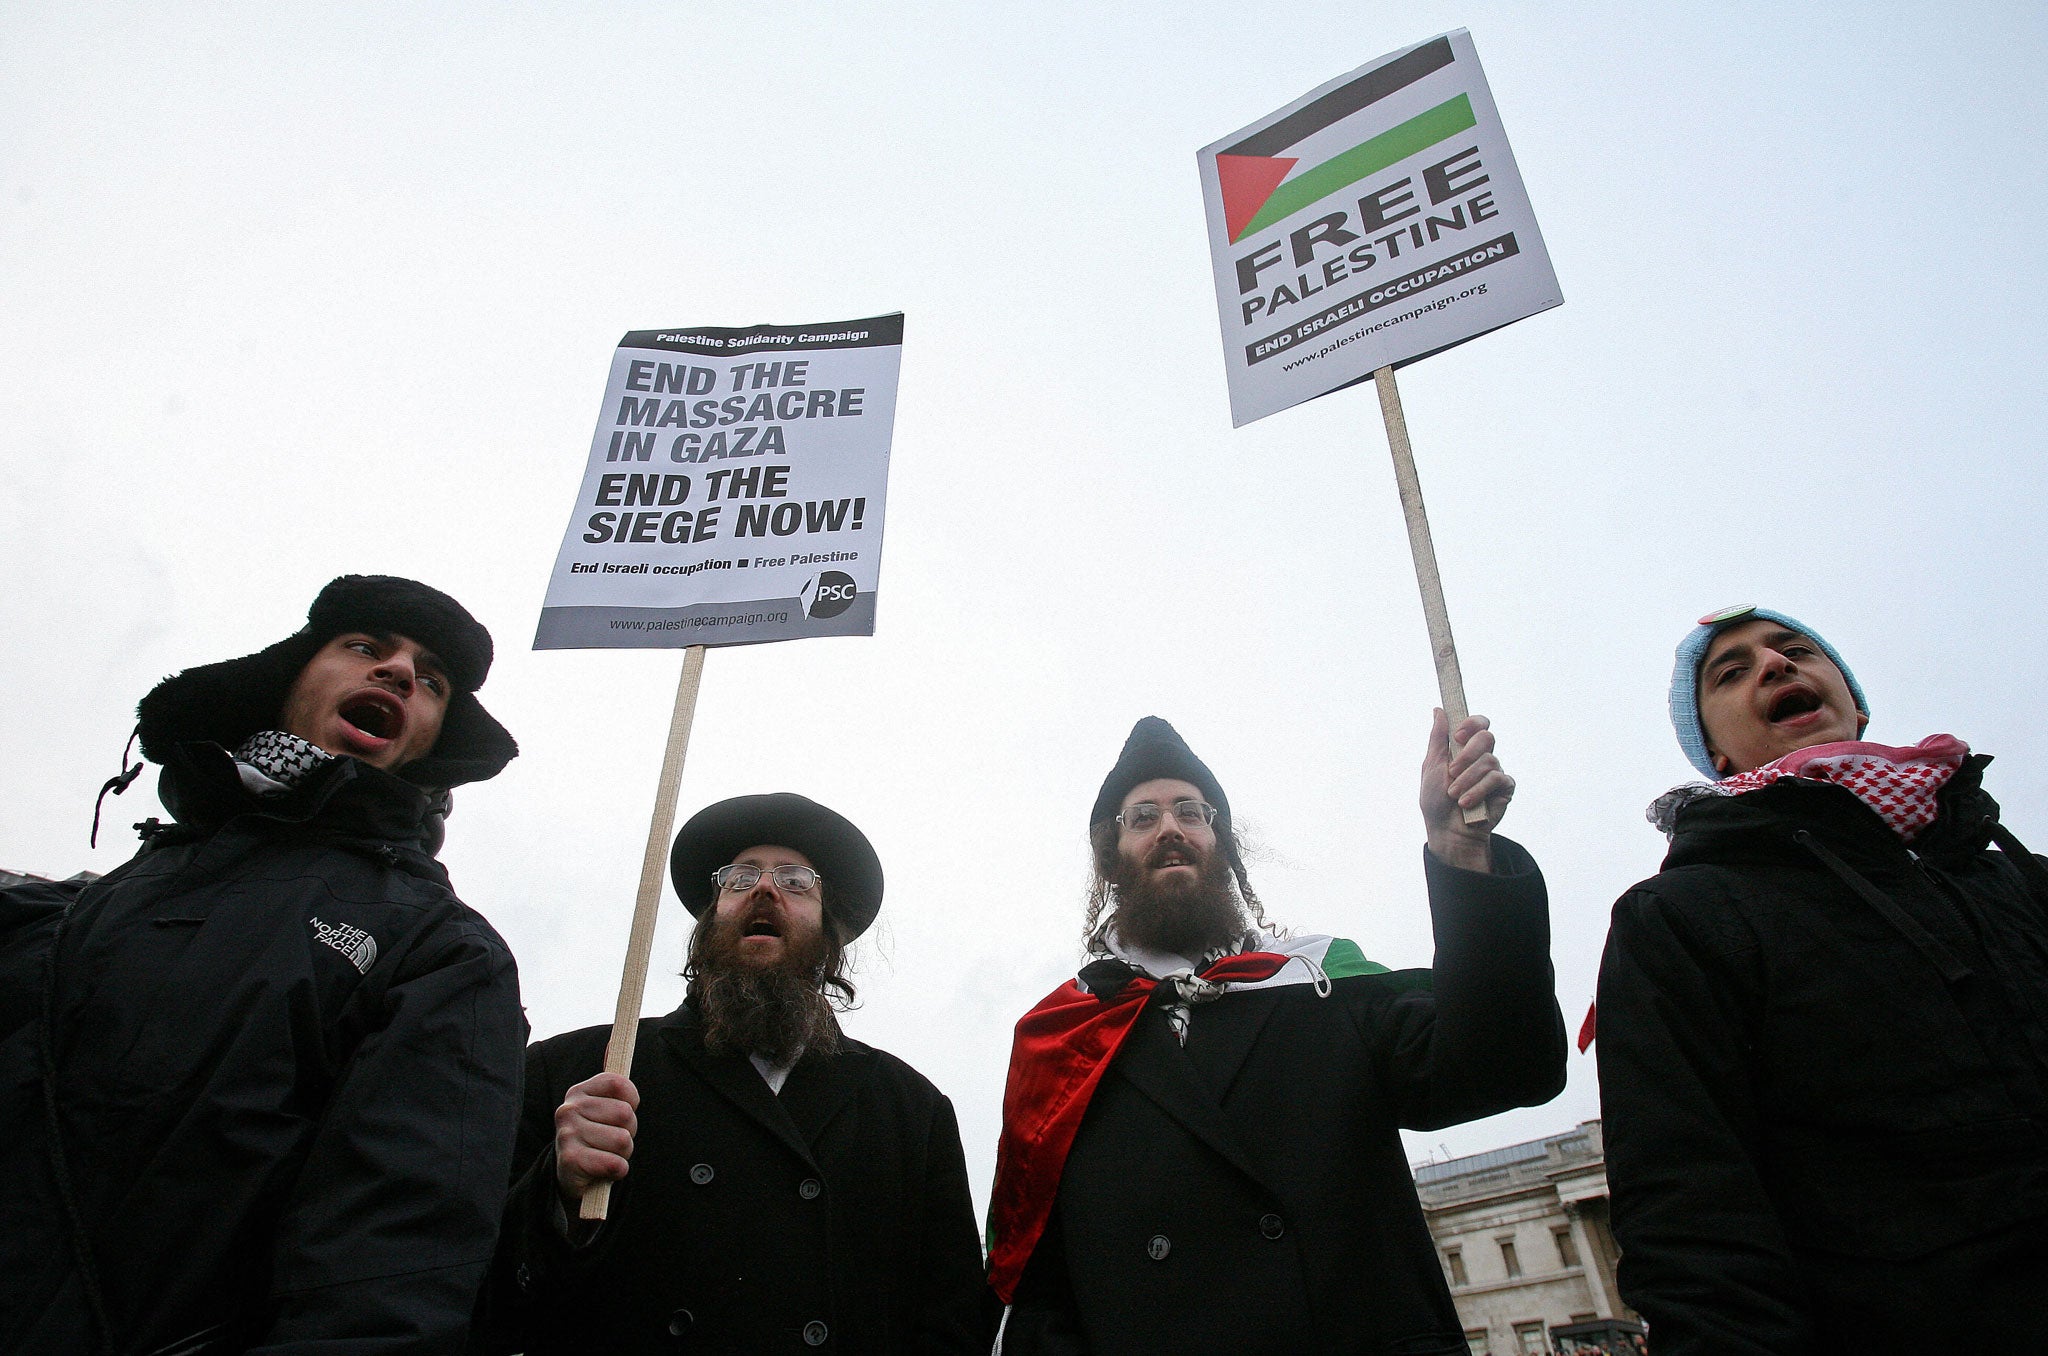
[
  {"x": 734, "y": 491},
  {"x": 1373, "y": 221}
]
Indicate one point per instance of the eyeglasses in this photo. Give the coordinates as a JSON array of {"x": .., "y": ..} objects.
[
  {"x": 1189, "y": 814},
  {"x": 738, "y": 879}
]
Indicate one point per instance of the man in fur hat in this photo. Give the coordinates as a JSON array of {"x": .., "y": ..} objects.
[
  {"x": 258, "y": 1086},
  {"x": 1824, "y": 1029},
  {"x": 1200, "y": 1149},
  {"x": 779, "y": 1186}
]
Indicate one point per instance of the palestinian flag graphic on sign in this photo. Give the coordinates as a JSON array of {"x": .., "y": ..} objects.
[
  {"x": 1374, "y": 221},
  {"x": 1256, "y": 188}
]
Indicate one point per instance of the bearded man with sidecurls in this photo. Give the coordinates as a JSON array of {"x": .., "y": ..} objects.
[
  {"x": 1201, "y": 1152},
  {"x": 778, "y": 1185}
]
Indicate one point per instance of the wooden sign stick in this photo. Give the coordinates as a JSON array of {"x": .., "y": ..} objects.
[
  {"x": 618, "y": 1053},
  {"x": 1450, "y": 682}
]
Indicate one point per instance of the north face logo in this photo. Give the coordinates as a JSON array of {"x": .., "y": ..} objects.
[{"x": 359, "y": 946}]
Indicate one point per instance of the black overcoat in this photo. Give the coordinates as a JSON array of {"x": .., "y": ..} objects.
[
  {"x": 834, "y": 1217},
  {"x": 1826, "y": 1111},
  {"x": 1250, "y": 1194}
]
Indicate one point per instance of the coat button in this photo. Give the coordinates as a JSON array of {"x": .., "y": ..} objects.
[
  {"x": 1159, "y": 1247},
  {"x": 524, "y": 1278},
  {"x": 702, "y": 1174},
  {"x": 680, "y": 1322},
  {"x": 815, "y": 1333},
  {"x": 810, "y": 1189},
  {"x": 1270, "y": 1226}
]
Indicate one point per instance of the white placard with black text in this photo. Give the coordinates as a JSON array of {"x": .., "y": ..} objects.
[
  {"x": 1373, "y": 221},
  {"x": 734, "y": 492}
]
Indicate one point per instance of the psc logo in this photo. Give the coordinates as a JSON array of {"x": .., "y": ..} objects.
[{"x": 830, "y": 594}]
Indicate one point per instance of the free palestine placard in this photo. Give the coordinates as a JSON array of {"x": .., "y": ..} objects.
[
  {"x": 734, "y": 491},
  {"x": 1373, "y": 221}
]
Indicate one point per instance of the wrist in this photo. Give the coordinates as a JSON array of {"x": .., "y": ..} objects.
[
  {"x": 570, "y": 1186},
  {"x": 1465, "y": 853}
]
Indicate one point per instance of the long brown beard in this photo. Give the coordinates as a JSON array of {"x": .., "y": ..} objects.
[
  {"x": 1184, "y": 918},
  {"x": 774, "y": 1011}
]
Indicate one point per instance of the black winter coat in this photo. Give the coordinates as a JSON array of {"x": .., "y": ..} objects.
[
  {"x": 1249, "y": 1195},
  {"x": 258, "y": 1086},
  {"x": 833, "y": 1217},
  {"x": 1825, "y": 1086}
]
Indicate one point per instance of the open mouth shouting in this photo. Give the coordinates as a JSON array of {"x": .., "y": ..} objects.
[
  {"x": 1794, "y": 705},
  {"x": 372, "y": 719},
  {"x": 761, "y": 934}
]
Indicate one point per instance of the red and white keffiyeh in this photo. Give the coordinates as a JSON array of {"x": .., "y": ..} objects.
[{"x": 1900, "y": 784}]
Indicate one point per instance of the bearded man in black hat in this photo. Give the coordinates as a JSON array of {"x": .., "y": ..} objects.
[
  {"x": 1200, "y": 1149},
  {"x": 258, "y": 1086},
  {"x": 779, "y": 1185}
]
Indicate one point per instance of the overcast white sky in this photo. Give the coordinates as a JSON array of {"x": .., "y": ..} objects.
[{"x": 290, "y": 291}]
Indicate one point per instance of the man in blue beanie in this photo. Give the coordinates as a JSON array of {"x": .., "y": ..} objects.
[{"x": 1824, "y": 1029}]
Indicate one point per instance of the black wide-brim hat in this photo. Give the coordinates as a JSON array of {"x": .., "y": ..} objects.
[
  {"x": 227, "y": 702},
  {"x": 841, "y": 853}
]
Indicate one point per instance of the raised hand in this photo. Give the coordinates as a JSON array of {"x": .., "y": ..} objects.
[{"x": 1450, "y": 785}]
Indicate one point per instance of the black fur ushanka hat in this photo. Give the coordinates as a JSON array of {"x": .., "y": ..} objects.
[{"x": 227, "y": 702}]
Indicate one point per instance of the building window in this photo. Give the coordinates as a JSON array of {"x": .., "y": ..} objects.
[
  {"x": 1529, "y": 1339},
  {"x": 1454, "y": 1262},
  {"x": 1567, "y": 1251},
  {"x": 1475, "y": 1341},
  {"x": 1508, "y": 1258}
]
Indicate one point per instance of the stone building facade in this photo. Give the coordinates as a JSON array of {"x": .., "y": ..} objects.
[{"x": 1523, "y": 1236}]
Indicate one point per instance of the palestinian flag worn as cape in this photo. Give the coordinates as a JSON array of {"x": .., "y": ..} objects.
[{"x": 1064, "y": 1045}]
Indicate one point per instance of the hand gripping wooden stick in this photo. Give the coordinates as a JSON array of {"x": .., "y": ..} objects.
[
  {"x": 618, "y": 1053},
  {"x": 1450, "y": 683}
]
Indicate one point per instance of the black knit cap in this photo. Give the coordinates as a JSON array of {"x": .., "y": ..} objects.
[
  {"x": 227, "y": 702},
  {"x": 841, "y": 853},
  {"x": 1155, "y": 749}
]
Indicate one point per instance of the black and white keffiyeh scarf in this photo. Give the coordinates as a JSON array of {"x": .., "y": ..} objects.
[{"x": 272, "y": 762}]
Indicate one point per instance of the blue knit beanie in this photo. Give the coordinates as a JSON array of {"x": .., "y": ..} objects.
[{"x": 1685, "y": 676}]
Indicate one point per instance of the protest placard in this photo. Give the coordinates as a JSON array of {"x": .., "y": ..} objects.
[
  {"x": 1377, "y": 219},
  {"x": 734, "y": 491},
  {"x": 733, "y": 495}
]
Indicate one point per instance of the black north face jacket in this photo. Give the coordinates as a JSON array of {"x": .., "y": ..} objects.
[
  {"x": 259, "y": 1086},
  {"x": 1824, "y": 1073}
]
